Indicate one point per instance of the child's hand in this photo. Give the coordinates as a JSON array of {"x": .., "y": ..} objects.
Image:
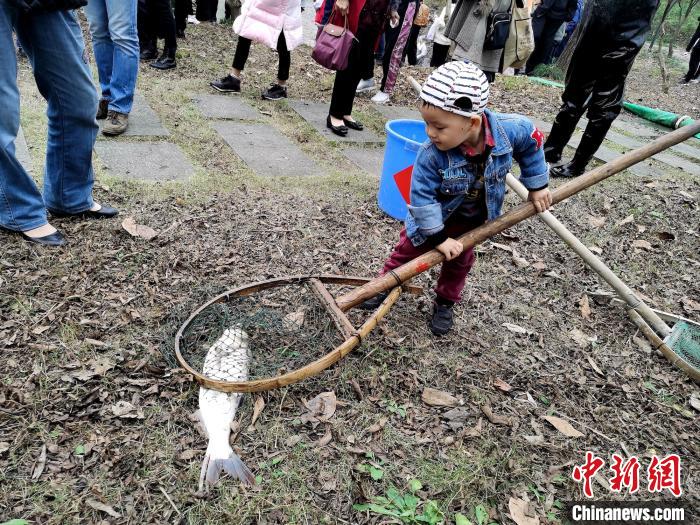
[
  {"x": 450, "y": 248},
  {"x": 542, "y": 199}
]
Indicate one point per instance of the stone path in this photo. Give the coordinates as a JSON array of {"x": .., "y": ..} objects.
[
  {"x": 315, "y": 113},
  {"x": 149, "y": 161},
  {"x": 143, "y": 121},
  {"x": 225, "y": 107},
  {"x": 367, "y": 159},
  {"x": 265, "y": 150}
]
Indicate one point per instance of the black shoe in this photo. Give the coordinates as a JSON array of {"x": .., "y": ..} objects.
[
  {"x": 442, "y": 320},
  {"x": 54, "y": 239},
  {"x": 102, "y": 109},
  {"x": 105, "y": 212},
  {"x": 275, "y": 92},
  {"x": 148, "y": 54},
  {"x": 228, "y": 84},
  {"x": 353, "y": 124},
  {"x": 568, "y": 170},
  {"x": 552, "y": 155},
  {"x": 165, "y": 61},
  {"x": 341, "y": 131},
  {"x": 374, "y": 302},
  {"x": 181, "y": 33}
]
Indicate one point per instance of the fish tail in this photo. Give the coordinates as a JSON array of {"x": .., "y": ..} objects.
[
  {"x": 232, "y": 465},
  {"x": 203, "y": 471}
]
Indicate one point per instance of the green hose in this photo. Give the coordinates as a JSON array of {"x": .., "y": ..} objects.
[{"x": 657, "y": 116}]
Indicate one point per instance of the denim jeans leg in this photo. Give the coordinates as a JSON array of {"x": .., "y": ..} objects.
[
  {"x": 54, "y": 43},
  {"x": 123, "y": 32},
  {"x": 103, "y": 48},
  {"x": 21, "y": 205}
]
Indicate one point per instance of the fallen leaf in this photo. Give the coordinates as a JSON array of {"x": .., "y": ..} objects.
[
  {"x": 138, "y": 230},
  {"x": 438, "y": 398},
  {"x": 641, "y": 244},
  {"x": 257, "y": 408},
  {"x": 515, "y": 328},
  {"x": 293, "y": 440},
  {"x": 689, "y": 305},
  {"x": 40, "y": 464},
  {"x": 520, "y": 262},
  {"x": 596, "y": 222},
  {"x": 581, "y": 339},
  {"x": 585, "y": 307},
  {"x": 328, "y": 480},
  {"x": 504, "y": 247},
  {"x": 4, "y": 447},
  {"x": 502, "y": 385},
  {"x": 521, "y": 513},
  {"x": 102, "y": 507},
  {"x": 322, "y": 407},
  {"x": 626, "y": 220},
  {"x": 377, "y": 426},
  {"x": 493, "y": 418},
  {"x": 126, "y": 410},
  {"x": 539, "y": 266},
  {"x": 534, "y": 440},
  {"x": 594, "y": 366},
  {"x": 563, "y": 426},
  {"x": 186, "y": 455},
  {"x": 596, "y": 250},
  {"x": 296, "y": 319},
  {"x": 326, "y": 438},
  {"x": 695, "y": 401},
  {"x": 688, "y": 196}
]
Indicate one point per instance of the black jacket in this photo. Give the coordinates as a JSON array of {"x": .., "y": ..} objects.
[
  {"x": 563, "y": 10},
  {"x": 33, "y": 6}
]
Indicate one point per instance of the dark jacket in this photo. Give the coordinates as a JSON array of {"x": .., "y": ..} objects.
[
  {"x": 563, "y": 10},
  {"x": 629, "y": 20},
  {"x": 33, "y": 6},
  {"x": 695, "y": 41}
]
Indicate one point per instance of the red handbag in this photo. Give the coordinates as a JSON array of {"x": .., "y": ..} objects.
[{"x": 333, "y": 44}]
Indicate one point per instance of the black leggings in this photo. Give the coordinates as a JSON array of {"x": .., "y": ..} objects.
[
  {"x": 158, "y": 21},
  {"x": 285, "y": 60},
  {"x": 346, "y": 80}
]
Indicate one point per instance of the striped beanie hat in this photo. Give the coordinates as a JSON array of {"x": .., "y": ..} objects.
[{"x": 458, "y": 87}]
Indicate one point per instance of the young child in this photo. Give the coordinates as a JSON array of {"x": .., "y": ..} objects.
[{"x": 458, "y": 180}]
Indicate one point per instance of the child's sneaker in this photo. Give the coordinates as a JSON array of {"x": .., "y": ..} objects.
[
  {"x": 365, "y": 85},
  {"x": 381, "y": 98},
  {"x": 442, "y": 321},
  {"x": 374, "y": 302},
  {"x": 228, "y": 84},
  {"x": 275, "y": 92}
]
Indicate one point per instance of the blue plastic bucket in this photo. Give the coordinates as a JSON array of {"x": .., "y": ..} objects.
[{"x": 403, "y": 140}]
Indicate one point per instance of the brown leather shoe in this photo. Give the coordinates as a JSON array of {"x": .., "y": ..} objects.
[
  {"x": 115, "y": 124},
  {"x": 102, "y": 108}
]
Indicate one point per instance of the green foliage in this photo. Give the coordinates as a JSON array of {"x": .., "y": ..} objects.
[
  {"x": 550, "y": 71},
  {"x": 407, "y": 508}
]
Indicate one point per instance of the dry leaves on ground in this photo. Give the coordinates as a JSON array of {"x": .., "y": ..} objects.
[
  {"x": 438, "y": 398},
  {"x": 138, "y": 230},
  {"x": 563, "y": 426}
]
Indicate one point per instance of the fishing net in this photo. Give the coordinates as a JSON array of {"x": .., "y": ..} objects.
[
  {"x": 684, "y": 340},
  {"x": 249, "y": 338}
]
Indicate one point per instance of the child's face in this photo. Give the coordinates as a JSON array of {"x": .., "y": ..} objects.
[{"x": 448, "y": 130}]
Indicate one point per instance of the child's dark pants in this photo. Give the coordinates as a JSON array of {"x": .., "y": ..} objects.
[{"x": 453, "y": 274}]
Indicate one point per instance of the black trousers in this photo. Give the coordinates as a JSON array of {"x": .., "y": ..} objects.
[
  {"x": 183, "y": 8},
  {"x": 412, "y": 45},
  {"x": 439, "y": 56},
  {"x": 155, "y": 18},
  {"x": 595, "y": 81},
  {"x": 694, "y": 66},
  {"x": 285, "y": 57},
  {"x": 346, "y": 81},
  {"x": 544, "y": 30},
  {"x": 206, "y": 10}
]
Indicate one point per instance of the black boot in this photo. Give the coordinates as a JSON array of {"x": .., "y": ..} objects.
[
  {"x": 597, "y": 128},
  {"x": 149, "y": 52},
  {"x": 562, "y": 130},
  {"x": 574, "y": 168},
  {"x": 165, "y": 61}
]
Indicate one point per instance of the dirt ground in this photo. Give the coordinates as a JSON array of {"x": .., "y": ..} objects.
[{"x": 96, "y": 420}]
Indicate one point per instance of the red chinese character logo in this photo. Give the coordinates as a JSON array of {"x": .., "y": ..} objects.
[
  {"x": 665, "y": 474},
  {"x": 586, "y": 471},
  {"x": 626, "y": 474}
]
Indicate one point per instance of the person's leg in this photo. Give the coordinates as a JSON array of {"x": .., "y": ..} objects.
[
  {"x": 240, "y": 57},
  {"x": 285, "y": 60},
  {"x": 391, "y": 35},
  {"x": 54, "y": 43},
  {"x": 21, "y": 204},
  {"x": 102, "y": 46},
  {"x": 181, "y": 12},
  {"x": 146, "y": 32},
  {"x": 121, "y": 15},
  {"x": 412, "y": 45},
  {"x": 694, "y": 65},
  {"x": 346, "y": 81},
  {"x": 166, "y": 24},
  {"x": 439, "y": 56},
  {"x": 397, "y": 53}
]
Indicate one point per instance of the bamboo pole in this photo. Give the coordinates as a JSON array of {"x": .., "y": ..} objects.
[
  {"x": 513, "y": 217},
  {"x": 598, "y": 266}
]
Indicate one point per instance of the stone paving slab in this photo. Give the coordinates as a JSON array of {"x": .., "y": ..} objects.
[
  {"x": 143, "y": 121},
  {"x": 226, "y": 107},
  {"x": 315, "y": 113},
  {"x": 265, "y": 150},
  {"x": 368, "y": 159},
  {"x": 22, "y": 151},
  {"x": 606, "y": 154},
  {"x": 399, "y": 112},
  {"x": 148, "y": 161}
]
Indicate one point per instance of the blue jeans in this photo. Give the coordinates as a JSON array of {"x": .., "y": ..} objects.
[
  {"x": 54, "y": 44},
  {"x": 115, "y": 42}
]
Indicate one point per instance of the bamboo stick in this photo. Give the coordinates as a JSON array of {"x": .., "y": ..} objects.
[
  {"x": 339, "y": 319},
  {"x": 516, "y": 215}
]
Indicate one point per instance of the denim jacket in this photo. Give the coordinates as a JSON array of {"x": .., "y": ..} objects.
[{"x": 441, "y": 179}]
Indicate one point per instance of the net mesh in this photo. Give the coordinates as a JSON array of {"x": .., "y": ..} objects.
[
  {"x": 269, "y": 332},
  {"x": 684, "y": 340}
]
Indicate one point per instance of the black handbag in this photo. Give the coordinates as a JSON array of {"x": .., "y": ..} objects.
[{"x": 497, "y": 30}]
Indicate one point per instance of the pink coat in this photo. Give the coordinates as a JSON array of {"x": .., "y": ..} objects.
[{"x": 263, "y": 21}]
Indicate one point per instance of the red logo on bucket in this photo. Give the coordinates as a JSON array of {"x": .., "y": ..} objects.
[
  {"x": 538, "y": 137},
  {"x": 403, "y": 183}
]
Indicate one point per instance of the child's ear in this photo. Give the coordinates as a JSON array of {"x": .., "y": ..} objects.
[{"x": 476, "y": 120}]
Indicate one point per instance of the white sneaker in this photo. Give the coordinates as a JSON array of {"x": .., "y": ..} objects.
[
  {"x": 381, "y": 98},
  {"x": 695, "y": 81},
  {"x": 191, "y": 19},
  {"x": 365, "y": 85}
]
